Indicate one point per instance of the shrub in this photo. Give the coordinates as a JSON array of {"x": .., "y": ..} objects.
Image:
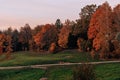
[
  {"x": 52, "y": 48},
  {"x": 84, "y": 72},
  {"x": 84, "y": 45},
  {"x": 79, "y": 41}
]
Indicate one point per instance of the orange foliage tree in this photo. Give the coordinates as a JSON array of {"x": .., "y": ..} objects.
[
  {"x": 63, "y": 37},
  {"x": 47, "y": 35},
  {"x": 116, "y": 18},
  {"x": 8, "y": 46},
  {"x": 2, "y": 40},
  {"x": 5, "y": 44},
  {"x": 116, "y": 31},
  {"x": 65, "y": 32},
  {"x": 100, "y": 29}
]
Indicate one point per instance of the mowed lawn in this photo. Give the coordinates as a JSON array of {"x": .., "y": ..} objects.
[
  {"x": 103, "y": 72},
  {"x": 32, "y": 58}
]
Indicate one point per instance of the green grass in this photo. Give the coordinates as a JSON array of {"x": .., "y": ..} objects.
[
  {"x": 60, "y": 73},
  {"x": 24, "y": 74},
  {"x": 31, "y": 58},
  {"x": 103, "y": 72},
  {"x": 108, "y": 72}
]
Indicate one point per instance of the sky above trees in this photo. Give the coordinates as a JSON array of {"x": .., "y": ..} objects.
[{"x": 17, "y": 13}]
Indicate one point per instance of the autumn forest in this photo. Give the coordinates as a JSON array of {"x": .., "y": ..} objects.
[{"x": 97, "y": 31}]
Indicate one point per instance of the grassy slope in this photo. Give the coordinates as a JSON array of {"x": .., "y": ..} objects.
[
  {"x": 24, "y": 74},
  {"x": 30, "y": 58},
  {"x": 103, "y": 72},
  {"x": 108, "y": 72}
]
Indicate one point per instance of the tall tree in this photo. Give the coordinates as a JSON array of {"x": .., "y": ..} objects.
[
  {"x": 15, "y": 40},
  {"x": 2, "y": 40},
  {"x": 116, "y": 18},
  {"x": 8, "y": 46},
  {"x": 81, "y": 27},
  {"x": 100, "y": 29},
  {"x": 82, "y": 24},
  {"x": 58, "y": 24},
  {"x": 25, "y": 36},
  {"x": 116, "y": 32},
  {"x": 5, "y": 44},
  {"x": 65, "y": 37}
]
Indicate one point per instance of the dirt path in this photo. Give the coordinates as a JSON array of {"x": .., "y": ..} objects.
[{"x": 44, "y": 66}]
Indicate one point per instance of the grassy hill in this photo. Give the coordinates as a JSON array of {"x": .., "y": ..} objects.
[{"x": 31, "y": 58}]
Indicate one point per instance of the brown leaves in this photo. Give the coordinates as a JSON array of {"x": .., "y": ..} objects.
[
  {"x": 46, "y": 36},
  {"x": 63, "y": 36},
  {"x": 100, "y": 26},
  {"x": 103, "y": 30},
  {"x": 52, "y": 48},
  {"x": 2, "y": 39},
  {"x": 5, "y": 44}
]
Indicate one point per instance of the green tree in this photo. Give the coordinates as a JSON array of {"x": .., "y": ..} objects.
[
  {"x": 58, "y": 24},
  {"x": 81, "y": 27},
  {"x": 82, "y": 24},
  {"x": 15, "y": 40},
  {"x": 25, "y": 36}
]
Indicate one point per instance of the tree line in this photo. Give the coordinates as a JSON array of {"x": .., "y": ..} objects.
[{"x": 96, "y": 31}]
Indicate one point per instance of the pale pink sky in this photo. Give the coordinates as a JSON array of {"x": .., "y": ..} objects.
[{"x": 17, "y": 13}]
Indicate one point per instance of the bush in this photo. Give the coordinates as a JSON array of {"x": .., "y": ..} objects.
[
  {"x": 84, "y": 45},
  {"x": 52, "y": 48},
  {"x": 84, "y": 72}
]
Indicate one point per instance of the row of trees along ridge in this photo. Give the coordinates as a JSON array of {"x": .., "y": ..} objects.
[{"x": 97, "y": 31}]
